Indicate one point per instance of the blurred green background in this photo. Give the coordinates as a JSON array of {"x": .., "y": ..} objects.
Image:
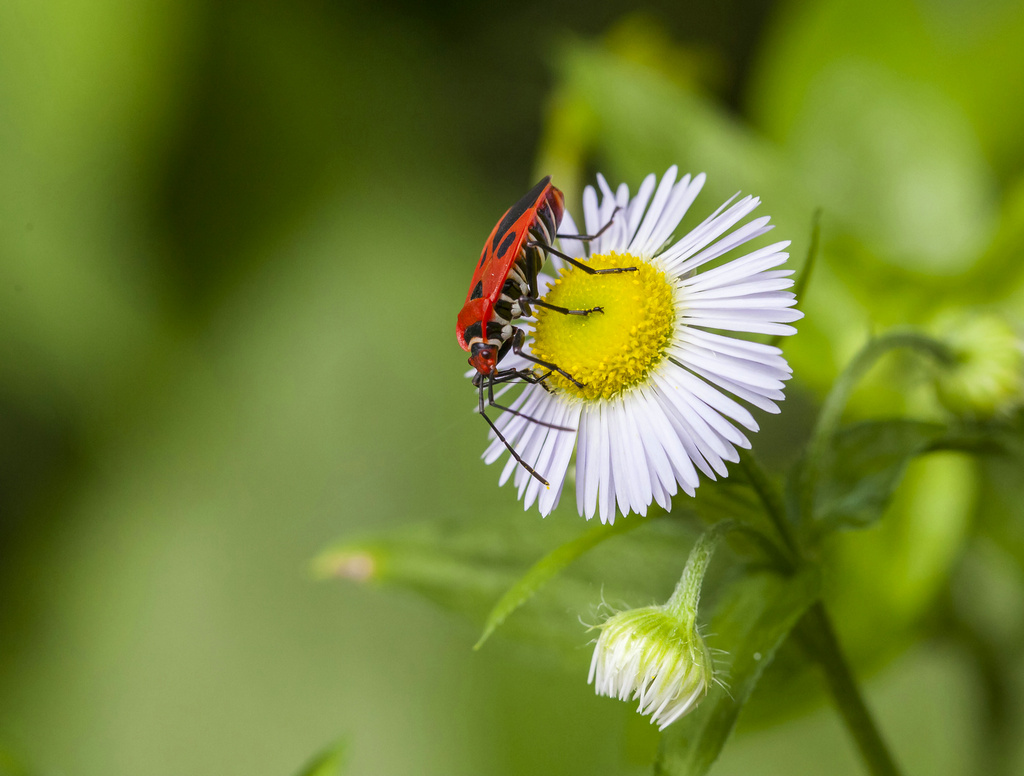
[{"x": 234, "y": 237}]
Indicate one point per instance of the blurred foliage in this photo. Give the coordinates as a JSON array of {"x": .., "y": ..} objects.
[
  {"x": 329, "y": 763},
  {"x": 233, "y": 237}
]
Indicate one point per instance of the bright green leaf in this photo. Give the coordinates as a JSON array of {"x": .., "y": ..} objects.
[
  {"x": 548, "y": 567},
  {"x": 970, "y": 53},
  {"x": 897, "y": 165},
  {"x": 645, "y": 121},
  {"x": 466, "y": 566}
]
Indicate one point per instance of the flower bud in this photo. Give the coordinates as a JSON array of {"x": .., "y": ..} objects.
[
  {"x": 986, "y": 375},
  {"x": 654, "y": 656}
]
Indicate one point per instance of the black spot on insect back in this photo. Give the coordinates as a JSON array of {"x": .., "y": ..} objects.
[
  {"x": 474, "y": 331},
  {"x": 506, "y": 244},
  {"x": 529, "y": 200},
  {"x": 478, "y": 290}
]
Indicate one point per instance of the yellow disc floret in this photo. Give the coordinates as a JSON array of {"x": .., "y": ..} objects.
[{"x": 616, "y": 350}]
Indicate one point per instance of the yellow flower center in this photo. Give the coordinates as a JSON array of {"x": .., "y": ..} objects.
[{"x": 613, "y": 351}]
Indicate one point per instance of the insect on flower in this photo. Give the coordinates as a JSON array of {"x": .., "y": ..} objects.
[
  {"x": 666, "y": 369},
  {"x": 504, "y": 288}
]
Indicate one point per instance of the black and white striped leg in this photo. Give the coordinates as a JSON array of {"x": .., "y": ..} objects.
[
  {"x": 508, "y": 375},
  {"x": 577, "y": 262}
]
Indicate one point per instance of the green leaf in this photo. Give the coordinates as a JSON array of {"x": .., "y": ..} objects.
[
  {"x": 898, "y": 167},
  {"x": 466, "y": 566},
  {"x": 544, "y": 570},
  {"x": 643, "y": 121},
  {"x": 868, "y": 460},
  {"x": 749, "y": 625},
  {"x": 330, "y": 762},
  {"x": 865, "y": 466}
]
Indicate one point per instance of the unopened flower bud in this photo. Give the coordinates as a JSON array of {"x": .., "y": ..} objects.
[
  {"x": 653, "y": 656},
  {"x": 656, "y": 654},
  {"x": 986, "y": 375}
]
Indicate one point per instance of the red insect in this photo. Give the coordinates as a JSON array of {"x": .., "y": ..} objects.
[{"x": 504, "y": 288}]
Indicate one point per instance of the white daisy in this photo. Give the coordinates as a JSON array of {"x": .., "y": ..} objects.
[{"x": 657, "y": 405}]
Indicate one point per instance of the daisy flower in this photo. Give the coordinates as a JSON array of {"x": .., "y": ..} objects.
[{"x": 660, "y": 382}]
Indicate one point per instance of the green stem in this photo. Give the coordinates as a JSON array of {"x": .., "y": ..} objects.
[
  {"x": 804, "y": 279},
  {"x": 837, "y": 399},
  {"x": 770, "y": 497},
  {"x": 815, "y": 631},
  {"x": 686, "y": 596},
  {"x": 818, "y": 636}
]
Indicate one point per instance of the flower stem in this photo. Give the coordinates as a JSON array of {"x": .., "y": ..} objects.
[
  {"x": 816, "y": 633},
  {"x": 832, "y": 410},
  {"x": 772, "y": 501},
  {"x": 686, "y": 596},
  {"x": 819, "y": 638}
]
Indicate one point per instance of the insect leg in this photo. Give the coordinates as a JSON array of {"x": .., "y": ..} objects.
[
  {"x": 508, "y": 375},
  {"x": 530, "y": 301},
  {"x": 504, "y": 441},
  {"x": 577, "y": 262},
  {"x": 492, "y": 403},
  {"x": 589, "y": 237},
  {"x": 517, "y": 347}
]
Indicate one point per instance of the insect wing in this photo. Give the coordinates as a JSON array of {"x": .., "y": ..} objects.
[{"x": 505, "y": 242}]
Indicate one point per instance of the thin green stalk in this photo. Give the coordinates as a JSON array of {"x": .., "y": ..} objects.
[
  {"x": 818, "y": 636},
  {"x": 816, "y": 633},
  {"x": 837, "y": 399},
  {"x": 806, "y": 272},
  {"x": 686, "y": 597},
  {"x": 774, "y": 506}
]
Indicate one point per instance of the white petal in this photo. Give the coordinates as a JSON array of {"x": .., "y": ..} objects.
[
  {"x": 591, "y": 219},
  {"x": 640, "y": 241},
  {"x": 708, "y": 231},
  {"x": 683, "y": 195},
  {"x": 636, "y": 208}
]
